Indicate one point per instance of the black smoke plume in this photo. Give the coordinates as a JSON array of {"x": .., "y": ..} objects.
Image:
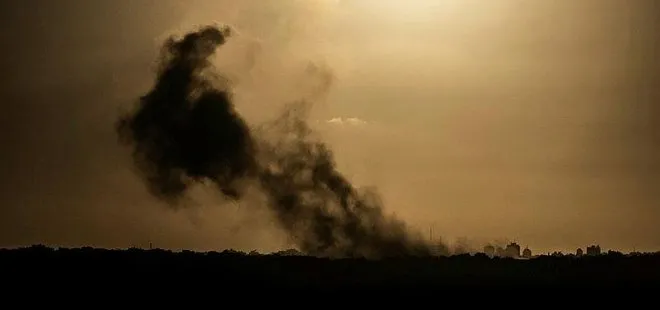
[{"x": 185, "y": 130}]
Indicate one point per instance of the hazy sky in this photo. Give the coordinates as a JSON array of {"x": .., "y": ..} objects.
[{"x": 528, "y": 120}]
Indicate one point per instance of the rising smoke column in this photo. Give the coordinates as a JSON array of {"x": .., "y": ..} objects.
[
  {"x": 185, "y": 130},
  {"x": 319, "y": 206}
]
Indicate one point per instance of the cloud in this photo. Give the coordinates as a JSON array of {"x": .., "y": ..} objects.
[{"x": 351, "y": 121}]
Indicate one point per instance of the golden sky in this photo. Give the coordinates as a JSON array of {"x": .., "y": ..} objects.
[{"x": 533, "y": 121}]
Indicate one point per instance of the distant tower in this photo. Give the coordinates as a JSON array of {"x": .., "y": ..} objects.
[
  {"x": 579, "y": 252},
  {"x": 527, "y": 253}
]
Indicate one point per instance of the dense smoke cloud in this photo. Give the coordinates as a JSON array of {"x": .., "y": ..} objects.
[{"x": 186, "y": 131}]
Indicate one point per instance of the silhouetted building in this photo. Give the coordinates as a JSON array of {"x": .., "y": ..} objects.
[
  {"x": 579, "y": 252},
  {"x": 593, "y": 250},
  {"x": 499, "y": 251},
  {"x": 527, "y": 253},
  {"x": 489, "y": 250},
  {"x": 513, "y": 250}
]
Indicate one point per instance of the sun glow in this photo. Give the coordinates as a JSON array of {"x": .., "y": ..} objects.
[{"x": 411, "y": 9}]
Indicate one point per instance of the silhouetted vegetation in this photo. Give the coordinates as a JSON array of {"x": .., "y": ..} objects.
[{"x": 288, "y": 268}]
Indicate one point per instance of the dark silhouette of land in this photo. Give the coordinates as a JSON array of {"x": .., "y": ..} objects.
[{"x": 282, "y": 269}]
